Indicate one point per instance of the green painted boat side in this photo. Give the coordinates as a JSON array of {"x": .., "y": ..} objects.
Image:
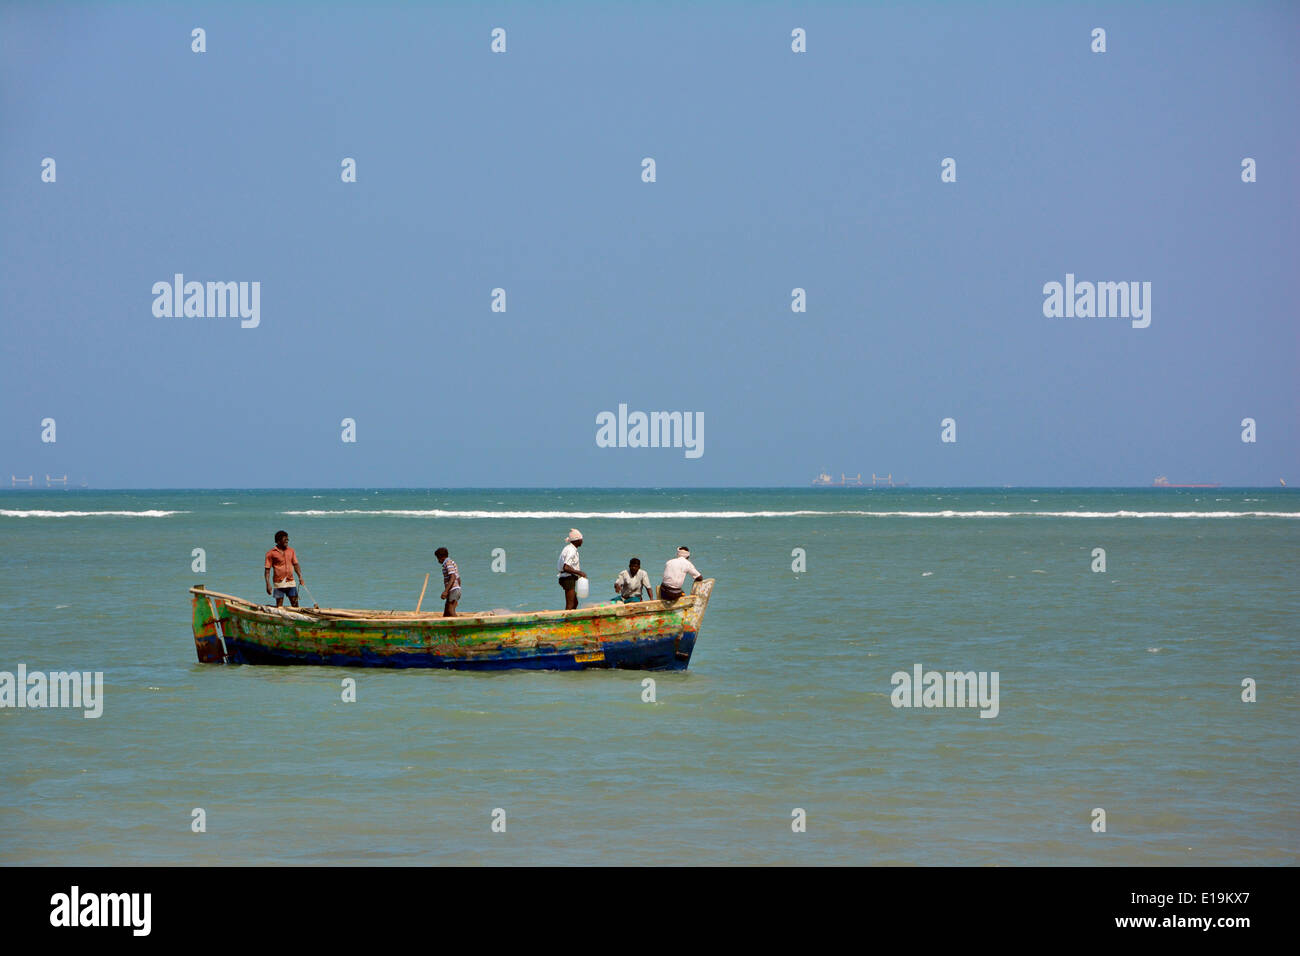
[{"x": 649, "y": 634}]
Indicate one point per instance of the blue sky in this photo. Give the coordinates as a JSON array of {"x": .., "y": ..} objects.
[{"x": 522, "y": 170}]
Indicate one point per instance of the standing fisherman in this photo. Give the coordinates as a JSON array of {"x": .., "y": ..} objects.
[
  {"x": 450, "y": 582},
  {"x": 568, "y": 571},
  {"x": 280, "y": 565}
]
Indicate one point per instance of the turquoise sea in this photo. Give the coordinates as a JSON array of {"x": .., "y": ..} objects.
[{"x": 1119, "y": 690}]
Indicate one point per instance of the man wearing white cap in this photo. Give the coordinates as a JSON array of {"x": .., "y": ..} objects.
[
  {"x": 675, "y": 572},
  {"x": 568, "y": 571}
]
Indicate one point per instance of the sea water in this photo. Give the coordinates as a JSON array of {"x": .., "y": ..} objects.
[{"x": 1120, "y": 690}]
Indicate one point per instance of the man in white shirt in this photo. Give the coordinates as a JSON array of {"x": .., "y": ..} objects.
[
  {"x": 631, "y": 583},
  {"x": 675, "y": 572},
  {"x": 568, "y": 570}
]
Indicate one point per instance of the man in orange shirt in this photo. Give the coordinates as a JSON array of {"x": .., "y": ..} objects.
[{"x": 281, "y": 563}]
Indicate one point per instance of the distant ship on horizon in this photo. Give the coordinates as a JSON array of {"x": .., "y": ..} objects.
[
  {"x": 1163, "y": 482},
  {"x": 51, "y": 481},
  {"x": 824, "y": 480}
]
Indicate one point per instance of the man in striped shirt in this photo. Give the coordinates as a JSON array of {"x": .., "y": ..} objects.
[{"x": 450, "y": 582}]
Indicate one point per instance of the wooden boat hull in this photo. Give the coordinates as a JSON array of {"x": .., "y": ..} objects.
[{"x": 651, "y": 635}]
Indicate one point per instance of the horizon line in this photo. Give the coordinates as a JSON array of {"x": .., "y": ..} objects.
[{"x": 806, "y": 487}]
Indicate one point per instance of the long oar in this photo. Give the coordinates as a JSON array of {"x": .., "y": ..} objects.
[{"x": 422, "y": 590}]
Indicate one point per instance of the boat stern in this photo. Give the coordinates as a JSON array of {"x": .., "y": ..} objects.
[{"x": 209, "y": 620}]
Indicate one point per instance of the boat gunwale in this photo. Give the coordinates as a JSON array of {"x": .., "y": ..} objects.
[{"x": 301, "y": 615}]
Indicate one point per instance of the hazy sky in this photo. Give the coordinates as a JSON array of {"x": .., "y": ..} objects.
[{"x": 775, "y": 170}]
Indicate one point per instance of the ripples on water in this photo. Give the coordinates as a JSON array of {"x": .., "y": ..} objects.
[{"x": 1118, "y": 690}]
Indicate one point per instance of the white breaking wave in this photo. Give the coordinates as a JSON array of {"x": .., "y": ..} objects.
[
  {"x": 7, "y": 513},
  {"x": 574, "y": 515}
]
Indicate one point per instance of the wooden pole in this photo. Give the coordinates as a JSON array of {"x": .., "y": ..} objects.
[{"x": 422, "y": 590}]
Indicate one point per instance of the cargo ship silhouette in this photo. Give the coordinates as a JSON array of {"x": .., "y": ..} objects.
[
  {"x": 887, "y": 481},
  {"x": 1163, "y": 482},
  {"x": 826, "y": 481}
]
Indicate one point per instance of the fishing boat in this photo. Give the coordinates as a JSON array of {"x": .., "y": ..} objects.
[{"x": 646, "y": 635}]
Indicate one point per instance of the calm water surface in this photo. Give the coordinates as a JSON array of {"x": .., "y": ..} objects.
[{"x": 1119, "y": 690}]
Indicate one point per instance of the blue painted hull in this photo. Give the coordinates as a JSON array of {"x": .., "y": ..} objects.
[{"x": 666, "y": 654}]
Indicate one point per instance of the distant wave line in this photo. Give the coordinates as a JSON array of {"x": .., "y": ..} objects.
[
  {"x": 623, "y": 515},
  {"x": 7, "y": 513}
]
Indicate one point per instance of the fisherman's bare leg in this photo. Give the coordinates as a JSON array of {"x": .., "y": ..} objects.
[{"x": 570, "y": 586}]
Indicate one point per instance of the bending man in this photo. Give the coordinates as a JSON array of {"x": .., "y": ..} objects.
[{"x": 675, "y": 572}]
